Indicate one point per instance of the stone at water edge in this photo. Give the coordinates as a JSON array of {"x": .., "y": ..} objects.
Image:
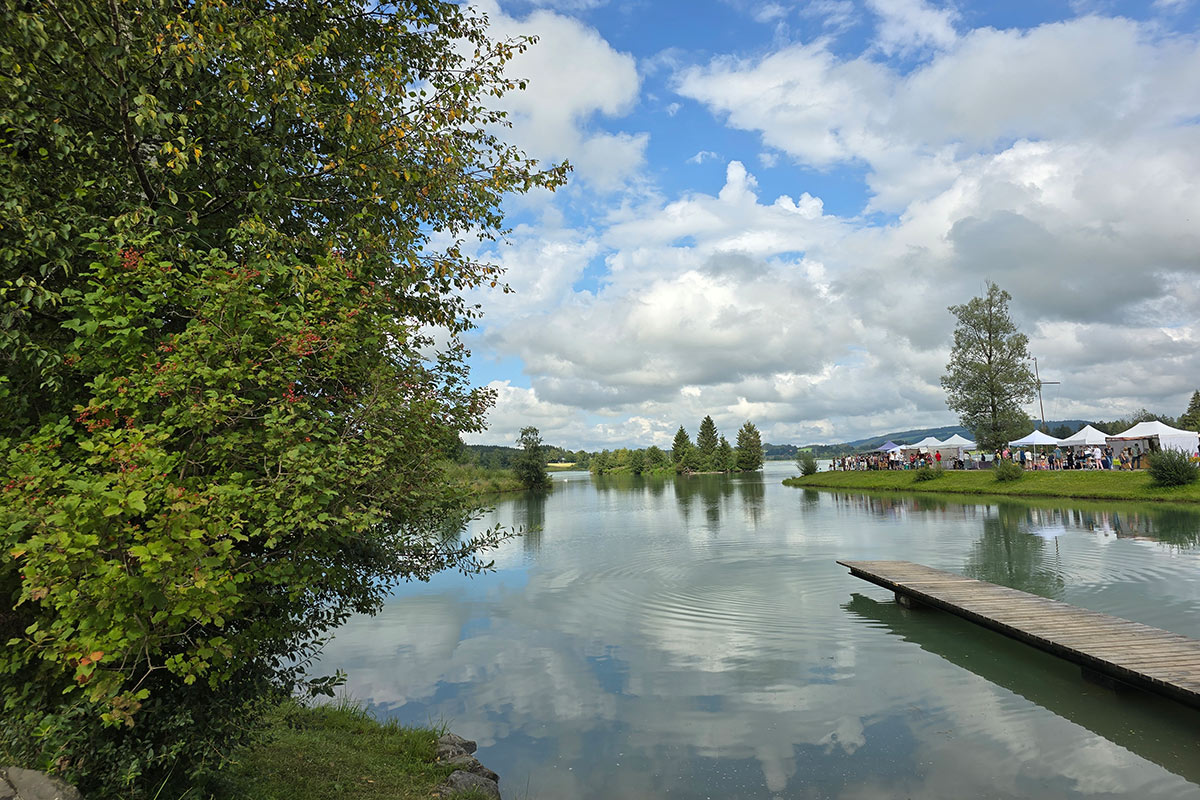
[
  {"x": 26, "y": 784},
  {"x": 461, "y": 782},
  {"x": 450, "y": 745},
  {"x": 471, "y": 764}
]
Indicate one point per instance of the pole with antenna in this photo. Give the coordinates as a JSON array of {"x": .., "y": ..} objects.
[{"x": 1038, "y": 378}]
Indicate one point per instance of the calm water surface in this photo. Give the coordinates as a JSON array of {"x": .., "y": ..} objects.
[{"x": 693, "y": 638}]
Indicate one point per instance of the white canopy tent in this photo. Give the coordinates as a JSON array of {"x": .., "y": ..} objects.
[
  {"x": 1168, "y": 438},
  {"x": 928, "y": 443},
  {"x": 1034, "y": 439},
  {"x": 1087, "y": 436},
  {"x": 955, "y": 447}
]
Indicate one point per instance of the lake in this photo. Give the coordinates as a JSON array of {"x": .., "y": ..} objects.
[{"x": 693, "y": 638}]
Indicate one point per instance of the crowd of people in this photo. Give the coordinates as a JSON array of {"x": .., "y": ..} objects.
[
  {"x": 1060, "y": 458},
  {"x": 896, "y": 460}
]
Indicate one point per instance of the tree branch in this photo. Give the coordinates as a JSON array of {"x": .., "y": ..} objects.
[{"x": 131, "y": 142}]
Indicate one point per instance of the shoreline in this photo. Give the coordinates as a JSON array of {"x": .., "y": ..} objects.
[{"x": 1077, "y": 484}]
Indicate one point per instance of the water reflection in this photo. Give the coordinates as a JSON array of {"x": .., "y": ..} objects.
[
  {"x": 1171, "y": 524},
  {"x": 692, "y": 638},
  {"x": 1009, "y": 554},
  {"x": 529, "y": 516},
  {"x": 1152, "y": 727}
]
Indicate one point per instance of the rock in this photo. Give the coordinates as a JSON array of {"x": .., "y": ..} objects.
[
  {"x": 25, "y": 784},
  {"x": 471, "y": 764},
  {"x": 451, "y": 745},
  {"x": 461, "y": 782}
]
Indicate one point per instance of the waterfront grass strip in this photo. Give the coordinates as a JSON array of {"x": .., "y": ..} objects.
[
  {"x": 337, "y": 751},
  {"x": 1100, "y": 485}
]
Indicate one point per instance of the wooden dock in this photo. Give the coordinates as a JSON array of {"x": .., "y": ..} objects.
[{"x": 1106, "y": 648}]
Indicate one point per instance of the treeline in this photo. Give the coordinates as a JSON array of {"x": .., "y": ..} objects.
[
  {"x": 780, "y": 452},
  {"x": 711, "y": 452},
  {"x": 492, "y": 456},
  {"x": 1189, "y": 420}
]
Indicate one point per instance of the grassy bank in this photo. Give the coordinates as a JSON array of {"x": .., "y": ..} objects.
[
  {"x": 1080, "y": 484},
  {"x": 482, "y": 480},
  {"x": 337, "y": 751}
]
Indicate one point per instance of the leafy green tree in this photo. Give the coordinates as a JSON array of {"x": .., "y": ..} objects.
[
  {"x": 749, "y": 448},
  {"x": 228, "y": 228},
  {"x": 681, "y": 450},
  {"x": 530, "y": 465},
  {"x": 988, "y": 375},
  {"x": 656, "y": 458},
  {"x": 599, "y": 463},
  {"x": 637, "y": 462},
  {"x": 1190, "y": 419},
  {"x": 726, "y": 461},
  {"x": 806, "y": 462},
  {"x": 706, "y": 445}
]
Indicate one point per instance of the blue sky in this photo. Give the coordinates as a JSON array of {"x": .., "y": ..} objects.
[{"x": 774, "y": 202}]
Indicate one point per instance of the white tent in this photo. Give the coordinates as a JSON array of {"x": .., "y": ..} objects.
[
  {"x": 1087, "y": 436},
  {"x": 1034, "y": 439},
  {"x": 960, "y": 442},
  {"x": 928, "y": 442},
  {"x": 1168, "y": 438}
]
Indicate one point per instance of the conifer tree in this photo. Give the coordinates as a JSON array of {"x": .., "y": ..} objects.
[
  {"x": 726, "y": 461},
  {"x": 680, "y": 448},
  {"x": 749, "y": 448},
  {"x": 1190, "y": 420},
  {"x": 706, "y": 445}
]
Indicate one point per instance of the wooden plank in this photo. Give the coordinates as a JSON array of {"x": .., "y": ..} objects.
[{"x": 1131, "y": 652}]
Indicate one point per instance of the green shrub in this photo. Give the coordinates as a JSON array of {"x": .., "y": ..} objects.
[
  {"x": 231, "y": 356},
  {"x": 928, "y": 474},
  {"x": 1007, "y": 471},
  {"x": 807, "y": 463},
  {"x": 1173, "y": 468}
]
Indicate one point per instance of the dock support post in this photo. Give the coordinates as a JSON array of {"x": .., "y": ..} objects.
[
  {"x": 1104, "y": 681},
  {"x": 908, "y": 601}
]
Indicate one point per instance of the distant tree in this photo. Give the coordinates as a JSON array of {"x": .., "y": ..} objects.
[
  {"x": 637, "y": 462},
  {"x": 1061, "y": 432},
  {"x": 656, "y": 458},
  {"x": 1190, "y": 419},
  {"x": 529, "y": 464},
  {"x": 599, "y": 462},
  {"x": 706, "y": 445},
  {"x": 680, "y": 449},
  {"x": 749, "y": 448},
  {"x": 988, "y": 375},
  {"x": 726, "y": 459}
]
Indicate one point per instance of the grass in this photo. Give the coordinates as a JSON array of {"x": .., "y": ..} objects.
[
  {"x": 332, "y": 751},
  {"x": 482, "y": 480},
  {"x": 1097, "y": 485}
]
